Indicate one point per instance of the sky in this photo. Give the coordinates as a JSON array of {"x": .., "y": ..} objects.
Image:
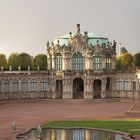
[{"x": 26, "y": 25}]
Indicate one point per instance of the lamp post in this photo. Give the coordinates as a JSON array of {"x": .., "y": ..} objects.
[
  {"x": 13, "y": 129},
  {"x": 39, "y": 132}
]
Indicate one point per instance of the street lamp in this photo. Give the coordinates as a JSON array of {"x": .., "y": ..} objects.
[{"x": 39, "y": 132}]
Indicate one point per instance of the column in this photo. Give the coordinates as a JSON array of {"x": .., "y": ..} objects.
[
  {"x": 113, "y": 63},
  {"x": 38, "y": 89},
  {"x": 103, "y": 62},
  {"x": 20, "y": 93},
  {"x": 10, "y": 89},
  {"x": 88, "y": 94},
  {"x": 64, "y": 61},
  {"x": 53, "y": 63},
  {"x": 53, "y": 89},
  {"x": 103, "y": 91},
  {"x": 87, "y": 63},
  {"x": 67, "y": 90},
  {"x": 49, "y": 62}
]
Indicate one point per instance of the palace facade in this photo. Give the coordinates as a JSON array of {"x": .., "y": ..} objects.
[{"x": 80, "y": 65}]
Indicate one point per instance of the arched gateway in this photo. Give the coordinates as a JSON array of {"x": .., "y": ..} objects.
[
  {"x": 97, "y": 88},
  {"x": 78, "y": 88}
]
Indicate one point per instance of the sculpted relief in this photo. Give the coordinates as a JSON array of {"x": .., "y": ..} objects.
[{"x": 78, "y": 42}]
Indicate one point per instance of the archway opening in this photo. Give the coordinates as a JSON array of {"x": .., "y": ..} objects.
[
  {"x": 78, "y": 88},
  {"x": 108, "y": 84},
  {"x": 97, "y": 88},
  {"x": 59, "y": 88}
]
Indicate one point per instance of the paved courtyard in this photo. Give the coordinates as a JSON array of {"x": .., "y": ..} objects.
[{"x": 29, "y": 115}]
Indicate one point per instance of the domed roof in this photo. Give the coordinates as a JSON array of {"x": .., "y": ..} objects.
[{"x": 93, "y": 38}]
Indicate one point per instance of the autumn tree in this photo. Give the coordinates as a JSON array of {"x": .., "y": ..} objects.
[
  {"x": 124, "y": 61},
  {"x": 40, "y": 61},
  {"x": 24, "y": 60},
  {"x": 136, "y": 59},
  {"x": 13, "y": 61}
]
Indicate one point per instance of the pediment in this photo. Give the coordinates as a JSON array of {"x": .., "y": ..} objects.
[{"x": 78, "y": 41}]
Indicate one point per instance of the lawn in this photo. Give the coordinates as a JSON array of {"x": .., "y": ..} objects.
[{"x": 118, "y": 125}]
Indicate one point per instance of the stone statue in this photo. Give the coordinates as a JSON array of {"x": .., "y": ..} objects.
[
  {"x": 78, "y": 28},
  {"x": 48, "y": 44},
  {"x": 19, "y": 68},
  {"x": 2, "y": 68},
  {"x": 10, "y": 68}
]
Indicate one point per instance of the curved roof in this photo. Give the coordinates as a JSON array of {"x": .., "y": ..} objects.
[{"x": 92, "y": 39}]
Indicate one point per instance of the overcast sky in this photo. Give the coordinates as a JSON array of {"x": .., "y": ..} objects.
[{"x": 26, "y": 25}]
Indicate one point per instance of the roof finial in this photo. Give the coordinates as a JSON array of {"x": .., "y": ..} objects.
[{"x": 78, "y": 28}]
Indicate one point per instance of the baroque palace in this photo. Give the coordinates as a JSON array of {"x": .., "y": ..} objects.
[{"x": 80, "y": 65}]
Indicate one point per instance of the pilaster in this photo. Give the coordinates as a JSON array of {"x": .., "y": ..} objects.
[{"x": 103, "y": 88}]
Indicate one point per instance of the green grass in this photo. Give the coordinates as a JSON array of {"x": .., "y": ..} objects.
[{"x": 118, "y": 125}]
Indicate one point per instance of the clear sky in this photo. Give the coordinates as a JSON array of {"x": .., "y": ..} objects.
[{"x": 26, "y": 25}]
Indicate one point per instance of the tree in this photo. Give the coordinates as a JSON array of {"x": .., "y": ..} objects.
[
  {"x": 3, "y": 61},
  {"x": 136, "y": 59},
  {"x": 24, "y": 60},
  {"x": 13, "y": 61},
  {"x": 41, "y": 61},
  {"x": 118, "y": 63},
  {"x": 124, "y": 61}
]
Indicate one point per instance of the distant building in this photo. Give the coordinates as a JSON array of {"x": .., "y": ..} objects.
[
  {"x": 80, "y": 65},
  {"x": 122, "y": 49}
]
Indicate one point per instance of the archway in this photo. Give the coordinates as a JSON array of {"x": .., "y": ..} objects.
[
  {"x": 78, "y": 88},
  {"x": 97, "y": 88},
  {"x": 108, "y": 84},
  {"x": 59, "y": 88}
]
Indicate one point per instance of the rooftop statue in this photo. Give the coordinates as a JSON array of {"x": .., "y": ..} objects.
[{"x": 78, "y": 28}]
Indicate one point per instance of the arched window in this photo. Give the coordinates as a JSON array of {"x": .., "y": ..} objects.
[
  {"x": 6, "y": 86},
  {"x": 97, "y": 62},
  {"x": 15, "y": 86},
  {"x": 43, "y": 85},
  {"x": 33, "y": 85},
  {"x": 24, "y": 86},
  {"x": 108, "y": 62},
  {"x": 77, "y": 61},
  {"x": 58, "y": 62}
]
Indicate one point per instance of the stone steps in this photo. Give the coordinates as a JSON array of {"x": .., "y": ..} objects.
[{"x": 61, "y": 101}]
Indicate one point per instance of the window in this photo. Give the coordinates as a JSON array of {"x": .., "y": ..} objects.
[
  {"x": 108, "y": 62},
  {"x": 15, "y": 86},
  {"x": 58, "y": 62},
  {"x": 24, "y": 86},
  {"x": 33, "y": 85},
  {"x": 77, "y": 61},
  {"x": 118, "y": 85},
  {"x": 126, "y": 85},
  {"x": 6, "y": 86},
  {"x": 43, "y": 85},
  {"x": 97, "y": 62},
  {"x": 133, "y": 86}
]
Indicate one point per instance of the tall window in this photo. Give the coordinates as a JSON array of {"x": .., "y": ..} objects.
[
  {"x": 77, "y": 61},
  {"x": 118, "y": 85},
  {"x": 97, "y": 62},
  {"x": 43, "y": 85},
  {"x": 6, "y": 86},
  {"x": 108, "y": 62},
  {"x": 24, "y": 86},
  {"x": 33, "y": 85},
  {"x": 15, "y": 86},
  {"x": 58, "y": 62},
  {"x": 126, "y": 85}
]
